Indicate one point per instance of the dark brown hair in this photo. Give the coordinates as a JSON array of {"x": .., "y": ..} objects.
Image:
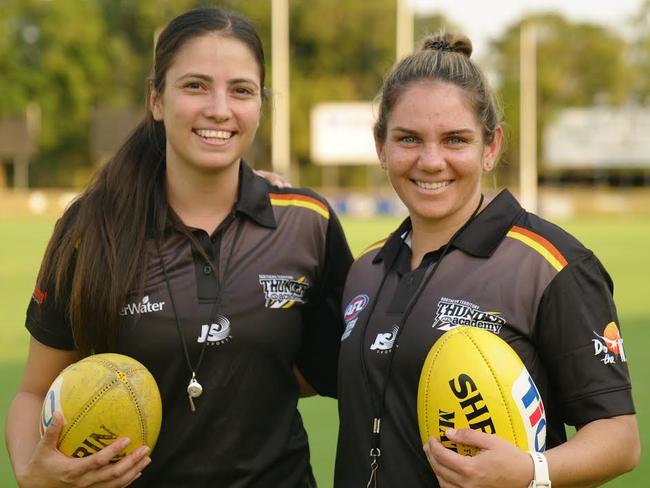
[
  {"x": 96, "y": 255},
  {"x": 443, "y": 57}
]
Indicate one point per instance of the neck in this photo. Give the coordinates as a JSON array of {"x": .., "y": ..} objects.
[
  {"x": 430, "y": 235},
  {"x": 202, "y": 200}
]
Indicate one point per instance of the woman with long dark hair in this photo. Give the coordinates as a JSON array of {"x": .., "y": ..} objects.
[{"x": 246, "y": 279}]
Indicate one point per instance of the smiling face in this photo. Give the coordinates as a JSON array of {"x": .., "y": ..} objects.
[
  {"x": 210, "y": 105},
  {"x": 435, "y": 153}
]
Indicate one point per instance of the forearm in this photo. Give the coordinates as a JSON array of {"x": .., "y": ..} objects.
[
  {"x": 306, "y": 390},
  {"x": 598, "y": 452},
  {"x": 22, "y": 431}
]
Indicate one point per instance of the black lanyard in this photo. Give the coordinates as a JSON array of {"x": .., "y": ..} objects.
[
  {"x": 194, "y": 388},
  {"x": 378, "y": 399}
]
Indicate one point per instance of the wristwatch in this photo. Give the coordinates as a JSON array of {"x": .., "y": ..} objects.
[{"x": 541, "y": 479}]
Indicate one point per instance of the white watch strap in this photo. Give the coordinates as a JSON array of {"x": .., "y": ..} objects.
[{"x": 541, "y": 471}]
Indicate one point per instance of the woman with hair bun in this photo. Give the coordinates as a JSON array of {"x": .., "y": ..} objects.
[
  {"x": 245, "y": 279},
  {"x": 438, "y": 132}
]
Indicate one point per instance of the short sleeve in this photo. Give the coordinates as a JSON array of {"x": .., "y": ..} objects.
[
  {"x": 322, "y": 320},
  {"x": 47, "y": 319},
  {"x": 578, "y": 336}
]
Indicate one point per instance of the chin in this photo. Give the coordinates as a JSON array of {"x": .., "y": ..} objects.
[{"x": 212, "y": 165}]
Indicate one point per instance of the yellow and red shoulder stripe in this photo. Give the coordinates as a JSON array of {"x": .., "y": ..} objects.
[
  {"x": 539, "y": 244},
  {"x": 372, "y": 247},
  {"x": 298, "y": 200}
]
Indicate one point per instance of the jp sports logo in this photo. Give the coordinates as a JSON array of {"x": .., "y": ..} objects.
[
  {"x": 452, "y": 313},
  {"x": 531, "y": 409},
  {"x": 216, "y": 333},
  {"x": 609, "y": 346},
  {"x": 283, "y": 291},
  {"x": 385, "y": 340},
  {"x": 351, "y": 314}
]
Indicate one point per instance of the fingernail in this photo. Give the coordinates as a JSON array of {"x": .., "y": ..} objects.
[
  {"x": 450, "y": 431},
  {"x": 143, "y": 451},
  {"x": 124, "y": 442}
]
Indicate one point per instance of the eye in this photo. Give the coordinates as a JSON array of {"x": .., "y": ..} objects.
[
  {"x": 244, "y": 91},
  {"x": 193, "y": 85},
  {"x": 456, "y": 140},
  {"x": 408, "y": 139}
]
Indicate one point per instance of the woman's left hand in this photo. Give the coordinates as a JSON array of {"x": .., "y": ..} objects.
[
  {"x": 497, "y": 464},
  {"x": 273, "y": 178}
]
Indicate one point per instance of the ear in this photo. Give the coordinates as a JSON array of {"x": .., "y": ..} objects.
[
  {"x": 379, "y": 147},
  {"x": 155, "y": 104},
  {"x": 492, "y": 150}
]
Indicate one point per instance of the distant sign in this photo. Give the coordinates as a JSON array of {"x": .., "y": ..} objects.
[
  {"x": 599, "y": 138},
  {"x": 110, "y": 129},
  {"x": 341, "y": 133},
  {"x": 18, "y": 134}
]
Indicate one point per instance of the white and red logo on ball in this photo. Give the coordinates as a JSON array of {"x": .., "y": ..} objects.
[{"x": 531, "y": 409}]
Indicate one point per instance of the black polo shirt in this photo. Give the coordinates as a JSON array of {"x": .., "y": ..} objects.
[
  {"x": 286, "y": 259},
  {"x": 509, "y": 272}
]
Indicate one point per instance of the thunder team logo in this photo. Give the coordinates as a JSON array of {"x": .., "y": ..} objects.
[
  {"x": 283, "y": 291},
  {"x": 609, "y": 346},
  {"x": 351, "y": 314},
  {"x": 452, "y": 313}
]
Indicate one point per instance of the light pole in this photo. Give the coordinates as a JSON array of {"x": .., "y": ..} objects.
[
  {"x": 280, "y": 131},
  {"x": 404, "y": 30},
  {"x": 528, "y": 117}
]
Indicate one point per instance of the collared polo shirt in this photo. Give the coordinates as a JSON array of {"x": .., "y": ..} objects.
[
  {"x": 278, "y": 262},
  {"x": 509, "y": 272}
]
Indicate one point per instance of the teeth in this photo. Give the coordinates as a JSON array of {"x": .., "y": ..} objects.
[
  {"x": 213, "y": 134},
  {"x": 432, "y": 186}
]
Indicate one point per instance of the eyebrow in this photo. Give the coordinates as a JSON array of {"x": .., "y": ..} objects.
[
  {"x": 448, "y": 133},
  {"x": 210, "y": 79}
]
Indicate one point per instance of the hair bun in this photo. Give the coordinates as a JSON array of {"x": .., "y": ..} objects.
[{"x": 456, "y": 43}]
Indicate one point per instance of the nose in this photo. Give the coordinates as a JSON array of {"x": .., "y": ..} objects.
[
  {"x": 218, "y": 106},
  {"x": 431, "y": 157}
]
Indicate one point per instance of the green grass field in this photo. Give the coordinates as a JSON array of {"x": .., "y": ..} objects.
[{"x": 620, "y": 242}]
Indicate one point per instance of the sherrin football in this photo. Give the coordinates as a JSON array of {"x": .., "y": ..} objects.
[
  {"x": 473, "y": 379},
  {"x": 104, "y": 397}
]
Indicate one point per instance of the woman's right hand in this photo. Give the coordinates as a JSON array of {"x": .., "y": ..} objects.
[{"x": 50, "y": 468}]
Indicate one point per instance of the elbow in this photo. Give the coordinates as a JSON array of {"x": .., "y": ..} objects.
[
  {"x": 634, "y": 455},
  {"x": 631, "y": 454}
]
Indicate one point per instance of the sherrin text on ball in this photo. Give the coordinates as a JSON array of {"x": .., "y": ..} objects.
[{"x": 473, "y": 379}]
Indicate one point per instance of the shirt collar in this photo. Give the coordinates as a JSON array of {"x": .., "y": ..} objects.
[
  {"x": 254, "y": 199},
  {"x": 480, "y": 238},
  {"x": 391, "y": 248}
]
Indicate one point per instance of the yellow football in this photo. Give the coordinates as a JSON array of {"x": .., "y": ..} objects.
[
  {"x": 473, "y": 379},
  {"x": 104, "y": 397}
]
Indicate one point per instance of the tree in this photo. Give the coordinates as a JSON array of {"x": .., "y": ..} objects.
[
  {"x": 578, "y": 64},
  {"x": 72, "y": 57},
  {"x": 641, "y": 53}
]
